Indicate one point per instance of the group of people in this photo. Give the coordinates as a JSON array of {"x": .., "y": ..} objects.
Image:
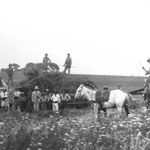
[
  {"x": 67, "y": 64},
  {"x": 46, "y": 62},
  {"x": 36, "y": 100},
  {"x": 10, "y": 100}
]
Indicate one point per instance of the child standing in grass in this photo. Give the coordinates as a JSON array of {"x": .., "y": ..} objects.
[{"x": 55, "y": 99}]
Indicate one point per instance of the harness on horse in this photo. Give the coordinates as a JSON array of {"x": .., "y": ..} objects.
[{"x": 102, "y": 96}]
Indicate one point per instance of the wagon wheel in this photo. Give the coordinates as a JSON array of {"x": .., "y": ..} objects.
[{"x": 54, "y": 67}]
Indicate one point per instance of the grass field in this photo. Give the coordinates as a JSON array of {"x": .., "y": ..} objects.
[
  {"x": 128, "y": 83},
  {"x": 78, "y": 129}
]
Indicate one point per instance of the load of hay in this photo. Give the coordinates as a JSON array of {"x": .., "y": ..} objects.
[{"x": 56, "y": 81}]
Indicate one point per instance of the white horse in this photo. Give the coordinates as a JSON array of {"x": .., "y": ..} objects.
[{"x": 117, "y": 98}]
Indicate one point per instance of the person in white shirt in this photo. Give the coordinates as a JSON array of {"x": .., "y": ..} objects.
[
  {"x": 4, "y": 99},
  {"x": 55, "y": 99}
]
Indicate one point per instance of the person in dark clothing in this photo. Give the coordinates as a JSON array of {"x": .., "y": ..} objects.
[
  {"x": 106, "y": 93},
  {"x": 67, "y": 64},
  {"x": 48, "y": 99},
  {"x": 64, "y": 98},
  {"x": 10, "y": 73},
  {"x": 29, "y": 103},
  {"x": 46, "y": 62},
  {"x": 22, "y": 101}
]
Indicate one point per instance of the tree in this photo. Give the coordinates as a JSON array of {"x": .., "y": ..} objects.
[{"x": 15, "y": 66}]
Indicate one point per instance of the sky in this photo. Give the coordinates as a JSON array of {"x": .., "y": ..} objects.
[{"x": 104, "y": 37}]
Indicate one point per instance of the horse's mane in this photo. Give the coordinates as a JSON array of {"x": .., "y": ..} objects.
[{"x": 89, "y": 85}]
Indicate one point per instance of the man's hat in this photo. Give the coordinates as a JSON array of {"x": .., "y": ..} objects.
[
  {"x": 68, "y": 54},
  {"x": 43, "y": 93},
  {"x": 46, "y": 54},
  {"x": 36, "y": 87},
  {"x": 55, "y": 90},
  {"x": 148, "y": 60},
  {"x": 105, "y": 88},
  {"x": 63, "y": 90}
]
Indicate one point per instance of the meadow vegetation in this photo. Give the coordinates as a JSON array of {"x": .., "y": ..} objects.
[{"x": 75, "y": 129}]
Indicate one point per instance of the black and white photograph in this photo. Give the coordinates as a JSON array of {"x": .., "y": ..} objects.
[{"x": 75, "y": 75}]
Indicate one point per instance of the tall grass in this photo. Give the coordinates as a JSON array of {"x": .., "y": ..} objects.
[{"x": 75, "y": 130}]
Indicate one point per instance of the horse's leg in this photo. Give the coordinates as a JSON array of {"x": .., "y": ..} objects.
[
  {"x": 99, "y": 110},
  {"x": 126, "y": 109},
  {"x": 119, "y": 109},
  {"x": 95, "y": 110},
  {"x": 105, "y": 112}
]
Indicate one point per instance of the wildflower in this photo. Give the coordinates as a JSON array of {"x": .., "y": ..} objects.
[
  {"x": 121, "y": 125},
  {"x": 148, "y": 134},
  {"x": 39, "y": 144},
  {"x": 1, "y": 136},
  {"x": 1, "y": 142},
  {"x": 1, "y": 123}
]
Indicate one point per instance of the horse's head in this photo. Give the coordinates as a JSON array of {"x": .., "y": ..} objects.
[
  {"x": 79, "y": 92},
  {"x": 85, "y": 92}
]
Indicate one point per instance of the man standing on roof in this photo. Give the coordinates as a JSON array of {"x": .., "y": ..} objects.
[
  {"x": 10, "y": 73},
  {"x": 68, "y": 63},
  {"x": 46, "y": 62}
]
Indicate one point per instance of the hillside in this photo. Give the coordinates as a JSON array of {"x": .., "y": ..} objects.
[{"x": 128, "y": 83}]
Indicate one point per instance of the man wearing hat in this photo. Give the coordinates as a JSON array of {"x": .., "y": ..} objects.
[
  {"x": 48, "y": 99},
  {"x": 147, "y": 72},
  {"x": 64, "y": 98},
  {"x": 36, "y": 95},
  {"x": 147, "y": 83},
  {"x": 46, "y": 62},
  {"x": 17, "y": 99},
  {"x": 10, "y": 73},
  {"x": 67, "y": 64},
  {"x": 106, "y": 93}
]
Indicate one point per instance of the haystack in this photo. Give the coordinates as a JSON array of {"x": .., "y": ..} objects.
[{"x": 56, "y": 81}]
